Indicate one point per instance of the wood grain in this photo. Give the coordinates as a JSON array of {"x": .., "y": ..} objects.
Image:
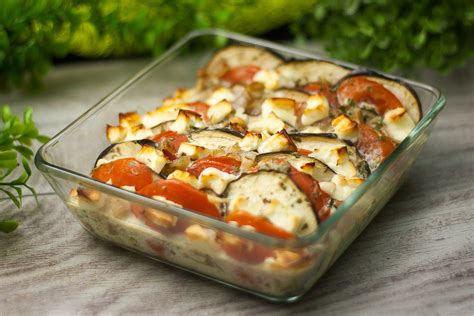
[{"x": 416, "y": 257}]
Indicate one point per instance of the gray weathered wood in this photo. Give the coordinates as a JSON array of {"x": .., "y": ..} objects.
[{"x": 416, "y": 257}]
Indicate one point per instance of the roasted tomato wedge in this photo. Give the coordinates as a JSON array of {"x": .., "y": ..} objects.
[
  {"x": 320, "y": 200},
  {"x": 323, "y": 89},
  {"x": 124, "y": 172},
  {"x": 261, "y": 224},
  {"x": 183, "y": 194},
  {"x": 374, "y": 147},
  {"x": 360, "y": 89},
  {"x": 172, "y": 141},
  {"x": 243, "y": 250},
  {"x": 223, "y": 163},
  {"x": 241, "y": 74}
]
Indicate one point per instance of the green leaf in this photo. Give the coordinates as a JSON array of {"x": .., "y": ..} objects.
[
  {"x": 24, "y": 151},
  {"x": 6, "y": 113},
  {"x": 7, "y": 226},
  {"x": 12, "y": 197}
]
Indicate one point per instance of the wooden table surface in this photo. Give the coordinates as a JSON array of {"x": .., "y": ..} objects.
[{"x": 416, "y": 257}]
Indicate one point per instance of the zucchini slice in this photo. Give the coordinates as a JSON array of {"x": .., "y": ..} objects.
[{"x": 273, "y": 195}]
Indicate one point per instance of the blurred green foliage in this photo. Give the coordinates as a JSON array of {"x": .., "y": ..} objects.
[
  {"x": 393, "y": 34},
  {"x": 16, "y": 139},
  {"x": 380, "y": 33}
]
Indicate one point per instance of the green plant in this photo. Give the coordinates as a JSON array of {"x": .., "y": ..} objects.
[
  {"x": 393, "y": 34},
  {"x": 16, "y": 138}
]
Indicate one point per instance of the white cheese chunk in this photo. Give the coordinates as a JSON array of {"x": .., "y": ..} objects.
[
  {"x": 345, "y": 128},
  {"x": 215, "y": 179},
  {"x": 163, "y": 114},
  {"x": 283, "y": 108},
  {"x": 192, "y": 150},
  {"x": 152, "y": 157},
  {"x": 269, "y": 78},
  {"x": 185, "y": 121},
  {"x": 275, "y": 143},
  {"x": 337, "y": 158},
  {"x": 270, "y": 124},
  {"x": 398, "y": 124},
  {"x": 185, "y": 177},
  {"x": 116, "y": 134},
  {"x": 220, "y": 94},
  {"x": 317, "y": 108},
  {"x": 250, "y": 141},
  {"x": 129, "y": 119},
  {"x": 340, "y": 188},
  {"x": 218, "y": 112}
]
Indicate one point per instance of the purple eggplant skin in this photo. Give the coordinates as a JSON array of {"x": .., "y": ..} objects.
[{"x": 367, "y": 73}]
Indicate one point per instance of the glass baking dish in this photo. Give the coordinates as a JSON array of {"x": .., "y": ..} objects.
[{"x": 292, "y": 266}]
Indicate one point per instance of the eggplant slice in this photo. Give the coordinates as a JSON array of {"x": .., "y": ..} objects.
[
  {"x": 294, "y": 94},
  {"x": 215, "y": 138},
  {"x": 312, "y": 166},
  {"x": 274, "y": 196},
  {"x": 340, "y": 156},
  {"x": 302, "y": 72},
  {"x": 240, "y": 55},
  {"x": 404, "y": 93}
]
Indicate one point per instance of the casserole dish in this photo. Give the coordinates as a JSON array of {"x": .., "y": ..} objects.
[{"x": 66, "y": 161}]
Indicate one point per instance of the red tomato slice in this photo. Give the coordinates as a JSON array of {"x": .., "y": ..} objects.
[
  {"x": 174, "y": 139},
  {"x": 124, "y": 172},
  {"x": 261, "y": 224},
  {"x": 360, "y": 89},
  {"x": 223, "y": 163},
  {"x": 240, "y": 74},
  {"x": 319, "y": 199},
  {"x": 243, "y": 250},
  {"x": 324, "y": 89},
  {"x": 373, "y": 146},
  {"x": 183, "y": 194}
]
